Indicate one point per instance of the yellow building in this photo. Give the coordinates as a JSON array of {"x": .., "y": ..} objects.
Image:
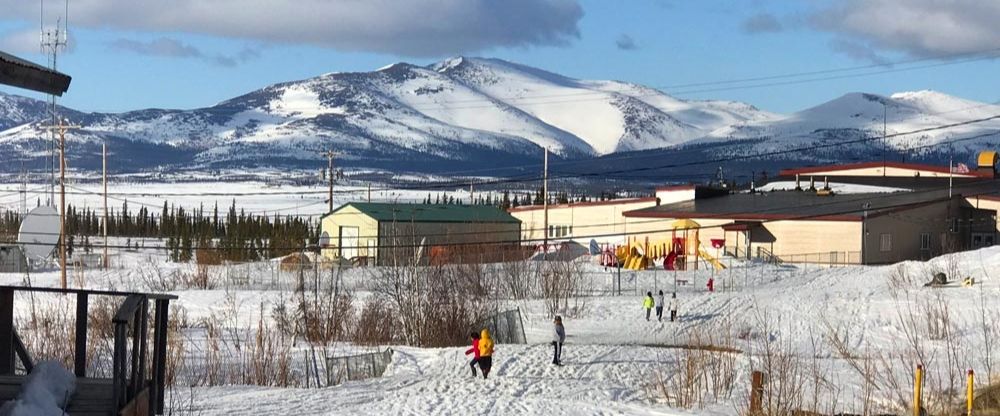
[
  {"x": 375, "y": 233},
  {"x": 810, "y": 226},
  {"x": 581, "y": 221}
]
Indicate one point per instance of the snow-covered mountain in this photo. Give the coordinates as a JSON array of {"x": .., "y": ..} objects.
[
  {"x": 464, "y": 112},
  {"x": 910, "y": 121}
]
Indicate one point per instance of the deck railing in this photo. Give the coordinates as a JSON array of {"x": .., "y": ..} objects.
[{"x": 130, "y": 387}]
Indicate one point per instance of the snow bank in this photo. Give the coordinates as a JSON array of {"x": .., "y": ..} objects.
[{"x": 47, "y": 389}]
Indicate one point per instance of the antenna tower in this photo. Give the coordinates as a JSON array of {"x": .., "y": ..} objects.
[{"x": 53, "y": 41}]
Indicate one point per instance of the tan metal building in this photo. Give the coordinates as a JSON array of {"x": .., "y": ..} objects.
[
  {"x": 376, "y": 233},
  {"x": 809, "y": 226},
  {"x": 582, "y": 221}
]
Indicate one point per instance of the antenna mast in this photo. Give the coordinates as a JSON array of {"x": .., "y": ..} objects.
[{"x": 52, "y": 42}]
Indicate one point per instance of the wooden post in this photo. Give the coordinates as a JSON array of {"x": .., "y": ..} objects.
[
  {"x": 118, "y": 367},
  {"x": 80, "y": 351},
  {"x": 104, "y": 175},
  {"x": 918, "y": 381},
  {"x": 6, "y": 331},
  {"x": 970, "y": 391},
  {"x": 159, "y": 355},
  {"x": 756, "y": 392},
  {"x": 62, "y": 204},
  {"x": 545, "y": 203}
]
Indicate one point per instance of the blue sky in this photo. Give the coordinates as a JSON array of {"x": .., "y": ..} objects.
[{"x": 132, "y": 55}]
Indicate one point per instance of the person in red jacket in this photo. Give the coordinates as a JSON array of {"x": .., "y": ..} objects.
[{"x": 474, "y": 350}]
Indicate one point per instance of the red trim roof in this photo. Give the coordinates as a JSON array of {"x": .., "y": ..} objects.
[
  {"x": 585, "y": 204},
  {"x": 868, "y": 165},
  {"x": 738, "y": 216}
]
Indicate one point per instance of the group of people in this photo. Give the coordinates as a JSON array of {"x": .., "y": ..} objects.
[
  {"x": 482, "y": 348},
  {"x": 482, "y": 344},
  {"x": 649, "y": 302}
]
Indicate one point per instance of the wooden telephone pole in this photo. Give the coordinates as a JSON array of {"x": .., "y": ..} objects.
[
  {"x": 329, "y": 174},
  {"x": 545, "y": 201},
  {"x": 104, "y": 176},
  {"x": 61, "y": 130}
]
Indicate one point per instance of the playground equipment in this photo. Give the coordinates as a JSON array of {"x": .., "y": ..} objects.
[{"x": 675, "y": 251}]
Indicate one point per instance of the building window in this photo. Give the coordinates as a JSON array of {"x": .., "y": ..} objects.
[
  {"x": 552, "y": 231},
  {"x": 925, "y": 241},
  {"x": 885, "y": 242}
]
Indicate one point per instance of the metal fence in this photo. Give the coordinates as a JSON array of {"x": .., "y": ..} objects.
[
  {"x": 357, "y": 367},
  {"x": 506, "y": 327}
]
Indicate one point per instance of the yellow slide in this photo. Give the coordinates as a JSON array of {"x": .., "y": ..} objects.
[{"x": 708, "y": 257}]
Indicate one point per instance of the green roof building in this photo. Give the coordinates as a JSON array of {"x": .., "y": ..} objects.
[{"x": 386, "y": 233}]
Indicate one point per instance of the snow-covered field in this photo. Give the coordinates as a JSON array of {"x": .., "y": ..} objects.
[
  {"x": 614, "y": 358},
  {"x": 252, "y": 197}
]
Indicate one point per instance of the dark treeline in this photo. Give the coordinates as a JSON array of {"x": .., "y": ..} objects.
[{"x": 234, "y": 235}]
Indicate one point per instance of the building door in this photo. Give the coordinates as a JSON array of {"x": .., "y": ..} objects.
[{"x": 348, "y": 242}]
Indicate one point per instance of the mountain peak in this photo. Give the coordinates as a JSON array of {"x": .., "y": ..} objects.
[{"x": 448, "y": 64}]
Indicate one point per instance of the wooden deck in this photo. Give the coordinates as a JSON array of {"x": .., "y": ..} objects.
[{"x": 92, "y": 396}]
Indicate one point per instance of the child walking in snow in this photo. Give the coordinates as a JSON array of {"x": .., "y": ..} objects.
[
  {"x": 475, "y": 351},
  {"x": 485, "y": 352},
  {"x": 558, "y": 336},
  {"x": 659, "y": 306},
  {"x": 647, "y": 303},
  {"x": 673, "y": 307}
]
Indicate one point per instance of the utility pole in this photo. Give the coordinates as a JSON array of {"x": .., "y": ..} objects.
[
  {"x": 545, "y": 200},
  {"x": 104, "y": 176},
  {"x": 61, "y": 129},
  {"x": 884, "y": 144},
  {"x": 329, "y": 174},
  {"x": 951, "y": 171}
]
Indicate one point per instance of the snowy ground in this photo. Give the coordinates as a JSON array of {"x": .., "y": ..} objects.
[
  {"x": 613, "y": 354},
  {"x": 252, "y": 197}
]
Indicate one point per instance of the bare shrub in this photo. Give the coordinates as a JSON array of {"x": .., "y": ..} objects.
[
  {"x": 434, "y": 306},
  {"x": 561, "y": 282},
  {"x": 703, "y": 371},
  {"x": 519, "y": 279},
  {"x": 374, "y": 324}
]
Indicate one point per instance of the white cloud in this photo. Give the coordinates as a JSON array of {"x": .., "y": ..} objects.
[
  {"x": 926, "y": 28},
  {"x": 406, "y": 27},
  {"x": 27, "y": 41},
  {"x": 626, "y": 43},
  {"x": 172, "y": 48},
  {"x": 762, "y": 23}
]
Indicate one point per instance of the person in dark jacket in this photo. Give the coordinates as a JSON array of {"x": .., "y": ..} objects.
[
  {"x": 673, "y": 307},
  {"x": 475, "y": 351},
  {"x": 558, "y": 337},
  {"x": 659, "y": 306}
]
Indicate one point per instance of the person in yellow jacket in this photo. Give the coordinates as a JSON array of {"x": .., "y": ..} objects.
[
  {"x": 648, "y": 303},
  {"x": 485, "y": 352}
]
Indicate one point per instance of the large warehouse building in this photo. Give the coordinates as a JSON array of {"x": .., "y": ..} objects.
[
  {"x": 938, "y": 211},
  {"x": 378, "y": 233}
]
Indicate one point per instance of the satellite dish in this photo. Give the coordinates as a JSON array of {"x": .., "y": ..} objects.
[
  {"x": 324, "y": 240},
  {"x": 39, "y": 232}
]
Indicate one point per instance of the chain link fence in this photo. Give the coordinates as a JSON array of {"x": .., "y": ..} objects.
[
  {"x": 506, "y": 327},
  {"x": 357, "y": 367}
]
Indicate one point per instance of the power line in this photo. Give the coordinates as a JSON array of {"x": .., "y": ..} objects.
[{"x": 824, "y": 202}]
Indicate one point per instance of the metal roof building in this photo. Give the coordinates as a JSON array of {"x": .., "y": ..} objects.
[{"x": 378, "y": 233}]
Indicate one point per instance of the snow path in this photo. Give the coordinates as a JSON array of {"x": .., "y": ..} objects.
[{"x": 595, "y": 380}]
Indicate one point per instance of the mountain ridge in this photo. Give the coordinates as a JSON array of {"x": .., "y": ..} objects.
[{"x": 472, "y": 112}]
